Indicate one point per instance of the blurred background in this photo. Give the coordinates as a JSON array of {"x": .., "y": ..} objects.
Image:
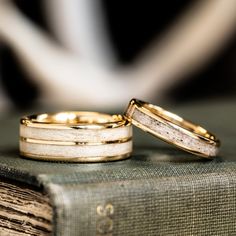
[{"x": 98, "y": 54}]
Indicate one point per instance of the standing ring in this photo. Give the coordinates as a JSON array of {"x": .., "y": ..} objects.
[{"x": 76, "y": 137}]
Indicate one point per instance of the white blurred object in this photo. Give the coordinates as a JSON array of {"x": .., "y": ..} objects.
[
  {"x": 83, "y": 76},
  {"x": 80, "y": 26}
]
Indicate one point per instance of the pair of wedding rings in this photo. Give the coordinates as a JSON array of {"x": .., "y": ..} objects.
[{"x": 97, "y": 137}]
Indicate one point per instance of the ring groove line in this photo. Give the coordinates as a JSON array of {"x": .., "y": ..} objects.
[{"x": 69, "y": 143}]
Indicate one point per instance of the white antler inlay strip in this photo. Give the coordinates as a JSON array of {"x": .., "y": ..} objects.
[
  {"x": 76, "y": 135},
  {"x": 68, "y": 152}
]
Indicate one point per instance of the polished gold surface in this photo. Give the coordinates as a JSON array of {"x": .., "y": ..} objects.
[
  {"x": 76, "y": 137},
  {"x": 84, "y": 159},
  {"x": 172, "y": 128},
  {"x": 74, "y": 120}
]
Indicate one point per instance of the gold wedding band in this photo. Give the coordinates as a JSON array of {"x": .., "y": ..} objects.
[
  {"x": 76, "y": 137},
  {"x": 172, "y": 129}
]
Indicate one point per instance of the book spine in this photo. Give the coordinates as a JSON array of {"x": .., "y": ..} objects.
[{"x": 203, "y": 204}]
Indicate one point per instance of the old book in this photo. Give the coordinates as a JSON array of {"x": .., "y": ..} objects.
[{"x": 159, "y": 191}]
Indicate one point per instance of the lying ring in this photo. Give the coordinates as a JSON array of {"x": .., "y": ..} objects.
[
  {"x": 172, "y": 129},
  {"x": 76, "y": 137}
]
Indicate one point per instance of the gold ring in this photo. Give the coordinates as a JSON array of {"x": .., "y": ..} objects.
[
  {"x": 76, "y": 137},
  {"x": 172, "y": 129}
]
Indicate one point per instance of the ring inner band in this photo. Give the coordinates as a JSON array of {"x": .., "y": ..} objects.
[{"x": 75, "y": 119}]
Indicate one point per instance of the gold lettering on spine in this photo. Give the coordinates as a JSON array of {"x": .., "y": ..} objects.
[{"x": 105, "y": 214}]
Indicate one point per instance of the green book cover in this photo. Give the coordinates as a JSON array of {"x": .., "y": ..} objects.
[{"x": 158, "y": 191}]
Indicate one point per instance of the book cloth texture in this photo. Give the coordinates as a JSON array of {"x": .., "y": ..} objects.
[{"x": 158, "y": 191}]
